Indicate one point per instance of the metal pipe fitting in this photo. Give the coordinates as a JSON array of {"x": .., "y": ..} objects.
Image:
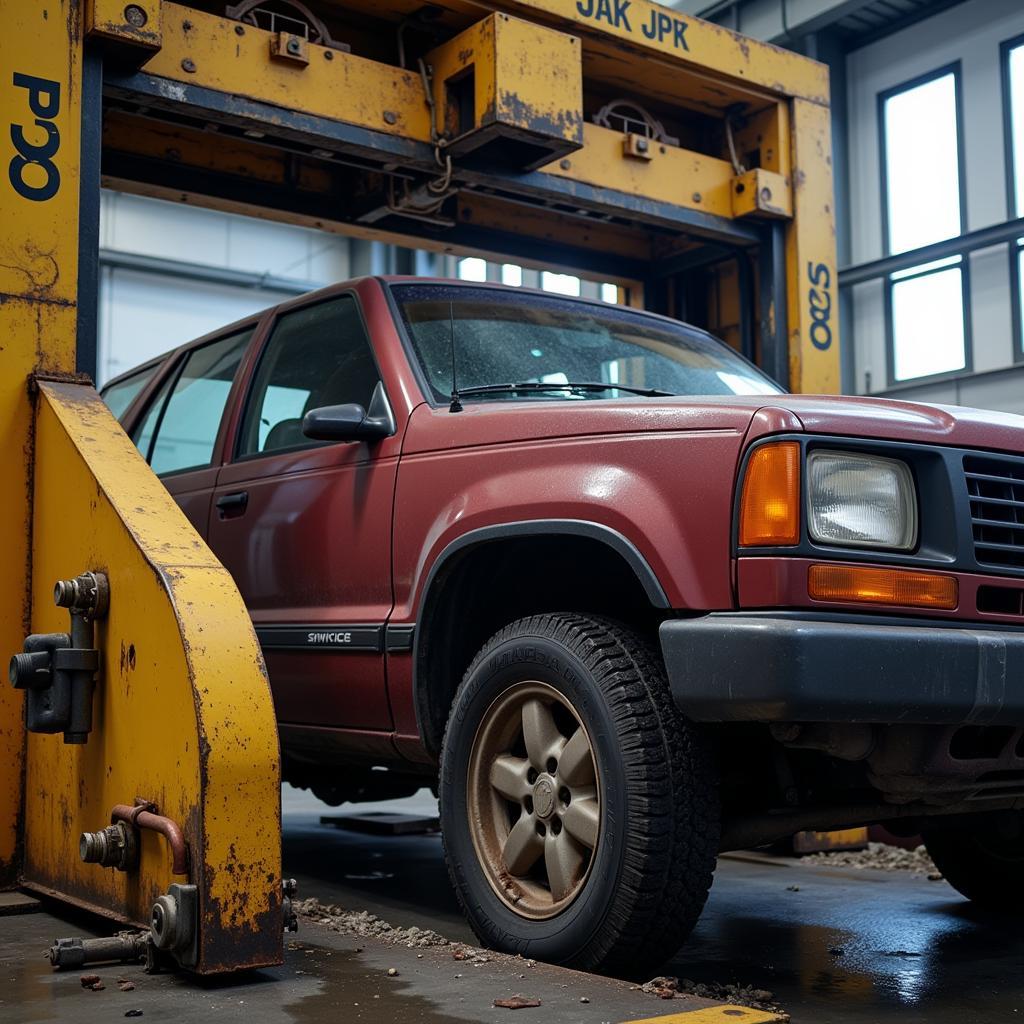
[
  {"x": 115, "y": 846},
  {"x": 77, "y": 952},
  {"x": 142, "y": 816},
  {"x": 87, "y": 594}
]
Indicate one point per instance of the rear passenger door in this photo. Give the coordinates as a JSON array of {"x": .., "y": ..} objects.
[
  {"x": 178, "y": 432},
  {"x": 304, "y": 526}
]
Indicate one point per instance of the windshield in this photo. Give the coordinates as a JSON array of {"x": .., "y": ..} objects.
[{"x": 507, "y": 337}]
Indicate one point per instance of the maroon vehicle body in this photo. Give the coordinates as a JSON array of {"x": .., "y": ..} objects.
[{"x": 355, "y": 539}]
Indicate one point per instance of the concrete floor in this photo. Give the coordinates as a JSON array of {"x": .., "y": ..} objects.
[
  {"x": 850, "y": 947},
  {"x": 835, "y": 946}
]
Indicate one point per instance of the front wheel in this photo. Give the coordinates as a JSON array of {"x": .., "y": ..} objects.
[
  {"x": 579, "y": 809},
  {"x": 984, "y": 861}
]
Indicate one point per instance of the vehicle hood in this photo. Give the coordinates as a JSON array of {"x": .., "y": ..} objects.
[
  {"x": 884, "y": 419},
  {"x": 490, "y": 423}
]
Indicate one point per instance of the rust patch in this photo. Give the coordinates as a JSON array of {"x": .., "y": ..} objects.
[
  {"x": 40, "y": 269},
  {"x": 566, "y": 124},
  {"x": 57, "y": 377}
]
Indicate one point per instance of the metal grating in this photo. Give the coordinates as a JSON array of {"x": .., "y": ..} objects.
[{"x": 996, "y": 489}]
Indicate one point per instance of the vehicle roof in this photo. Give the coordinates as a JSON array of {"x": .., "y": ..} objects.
[{"x": 388, "y": 279}]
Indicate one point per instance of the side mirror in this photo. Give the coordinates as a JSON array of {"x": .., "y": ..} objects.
[{"x": 351, "y": 422}]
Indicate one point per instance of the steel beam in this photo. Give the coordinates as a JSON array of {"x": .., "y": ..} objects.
[
  {"x": 959, "y": 245},
  {"x": 172, "y": 702}
]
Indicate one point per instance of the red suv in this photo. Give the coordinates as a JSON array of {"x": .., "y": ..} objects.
[{"x": 632, "y": 602}]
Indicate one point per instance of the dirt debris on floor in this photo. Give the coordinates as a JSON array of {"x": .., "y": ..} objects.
[
  {"x": 880, "y": 856},
  {"x": 362, "y": 924},
  {"x": 365, "y": 925},
  {"x": 517, "y": 1003},
  {"x": 738, "y": 995}
]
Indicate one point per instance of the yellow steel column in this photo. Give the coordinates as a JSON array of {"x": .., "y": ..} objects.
[
  {"x": 813, "y": 292},
  {"x": 182, "y": 714},
  {"x": 40, "y": 95}
]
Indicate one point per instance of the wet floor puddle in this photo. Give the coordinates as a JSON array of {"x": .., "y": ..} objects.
[{"x": 351, "y": 989}]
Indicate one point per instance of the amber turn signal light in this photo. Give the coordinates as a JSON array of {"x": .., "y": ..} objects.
[
  {"x": 770, "y": 502},
  {"x": 882, "y": 586}
]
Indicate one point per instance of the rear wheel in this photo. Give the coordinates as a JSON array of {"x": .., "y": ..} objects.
[
  {"x": 579, "y": 809},
  {"x": 984, "y": 861}
]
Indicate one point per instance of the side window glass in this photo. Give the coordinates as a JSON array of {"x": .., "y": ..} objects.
[
  {"x": 120, "y": 395},
  {"x": 146, "y": 428},
  {"x": 316, "y": 356},
  {"x": 186, "y": 427}
]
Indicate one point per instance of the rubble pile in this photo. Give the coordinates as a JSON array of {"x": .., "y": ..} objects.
[
  {"x": 882, "y": 857},
  {"x": 365, "y": 925}
]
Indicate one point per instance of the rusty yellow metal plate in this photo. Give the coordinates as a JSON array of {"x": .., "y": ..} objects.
[
  {"x": 211, "y": 52},
  {"x": 182, "y": 712},
  {"x": 687, "y": 41},
  {"x": 136, "y": 25},
  {"x": 842, "y": 839},
  {"x": 40, "y": 83},
  {"x": 673, "y": 175},
  {"x": 510, "y": 90},
  {"x": 813, "y": 287}
]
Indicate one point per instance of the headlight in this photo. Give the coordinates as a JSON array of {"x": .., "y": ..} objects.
[{"x": 860, "y": 501}]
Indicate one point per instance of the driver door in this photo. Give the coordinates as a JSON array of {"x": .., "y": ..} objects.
[{"x": 304, "y": 526}]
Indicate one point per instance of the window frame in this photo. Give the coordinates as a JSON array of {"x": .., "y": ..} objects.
[
  {"x": 954, "y": 68},
  {"x": 252, "y": 371},
  {"x": 177, "y": 362},
  {"x": 1014, "y": 248}
]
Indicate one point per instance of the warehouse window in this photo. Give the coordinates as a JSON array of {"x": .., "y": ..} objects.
[
  {"x": 1013, "y": 114},
  {"x": 922, "y": 201}
]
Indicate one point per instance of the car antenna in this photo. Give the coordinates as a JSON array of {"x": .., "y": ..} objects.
[{"x": 456, "y": 405}]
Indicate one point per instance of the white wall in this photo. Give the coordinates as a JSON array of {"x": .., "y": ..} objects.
[
  {"x": 144, "y": 313},
  {"x": 971, "y": 33}
]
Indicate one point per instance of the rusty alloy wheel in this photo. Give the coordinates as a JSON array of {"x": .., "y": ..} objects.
[{"x": 534, "y": 799}]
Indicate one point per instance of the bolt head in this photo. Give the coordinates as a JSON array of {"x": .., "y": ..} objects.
[
  {"x": 135, "y": 16},
  {"x": 188, "y": 65}
]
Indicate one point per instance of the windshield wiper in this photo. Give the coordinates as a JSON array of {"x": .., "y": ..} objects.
[{"x": 577, "y": 386}]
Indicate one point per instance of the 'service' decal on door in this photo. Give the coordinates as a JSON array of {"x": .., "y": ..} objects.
[{"x": 321, "y": 637}]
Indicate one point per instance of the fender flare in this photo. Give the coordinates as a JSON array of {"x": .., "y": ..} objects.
[{"x": 611, "y": 538}]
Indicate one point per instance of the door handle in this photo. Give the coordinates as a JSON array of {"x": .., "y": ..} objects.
[{"x": 232, "y": 504}]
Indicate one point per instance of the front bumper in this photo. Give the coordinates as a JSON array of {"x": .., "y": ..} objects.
[{"x": 749, "y": 667}]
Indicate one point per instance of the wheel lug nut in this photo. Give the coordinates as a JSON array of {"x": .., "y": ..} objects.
[
  {"x": 531, "y": 776},
  {"x": 552, "y": 766},
  {"x": 556, "y": 826},
  {"x": 541, "y": 830},
  {"x": 564, "y": 795}
]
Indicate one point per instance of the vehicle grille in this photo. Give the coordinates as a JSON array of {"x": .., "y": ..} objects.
[{"x": 996, "y": 488}]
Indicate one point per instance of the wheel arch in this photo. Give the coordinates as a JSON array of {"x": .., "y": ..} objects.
[{"x": 632, "y": 590}]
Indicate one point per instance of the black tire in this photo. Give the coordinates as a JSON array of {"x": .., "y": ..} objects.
[
  {"x": 983, "y": 861},
  {"x": 649, "y": 878}
]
